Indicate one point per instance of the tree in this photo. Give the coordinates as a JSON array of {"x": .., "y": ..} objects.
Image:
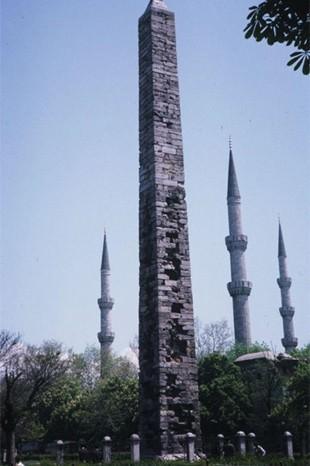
[
  {"x": 265, "y": 385},
  {"x": 223, "y": 396},
  {"x": 86, "y": 366},
  {"x": 61, "y": 408},
  {"x": 286, "y": 22},
  {"x": 73, "y": 406},
  {"x": 212, "y": 338},
  {"x": 9, "y": 343},
  {"x": 238, "y": 349},
  {"x": 293, "y": 413},
  {"x": 112, "y": 409},
  {"x": 26, "y": 372}
]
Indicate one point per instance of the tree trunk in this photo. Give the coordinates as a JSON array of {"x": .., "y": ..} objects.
[{"x": 11, "y": 449}]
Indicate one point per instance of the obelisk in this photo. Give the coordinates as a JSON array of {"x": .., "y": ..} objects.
[{"x": 168, "y": 369}]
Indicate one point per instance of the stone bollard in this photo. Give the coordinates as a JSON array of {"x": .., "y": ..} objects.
[
  {"x": 190, "y": 447},
  {"x": 251, "y": 443},
  {"x": 220, "y": 445},
  {"x": 241, "y": 443},
  {"x": 60, "y": 453},
  {"x": 107, "y": 450},
  {"x": 288, "y": 445},
  {"x": 135, "y": 448}
]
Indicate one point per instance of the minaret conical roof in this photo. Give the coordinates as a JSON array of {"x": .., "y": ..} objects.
[
  {"x": 281, "y": 245},
  {"x": 233, "y": 188},
  {"x": 105, "y": 264}
]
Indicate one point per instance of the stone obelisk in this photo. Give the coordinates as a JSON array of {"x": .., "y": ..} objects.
[
  {"x": 239, "y": 288},
  {"x": 168, "y": 370}
]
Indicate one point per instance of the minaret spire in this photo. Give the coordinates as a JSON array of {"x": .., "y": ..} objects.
[
  {"x": 281, "y": 245},
  {"x": 239, "y": 288},
  {"x": 105, "y": 263},
  {"x": 286, "y": 310},
  {"x": 105, "y": 302}
]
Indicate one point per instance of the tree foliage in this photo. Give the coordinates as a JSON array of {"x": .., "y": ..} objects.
[
  {"x": 293, "y": 412},
  {"x": 285, "y": 22},
  {"x": 238, "y": 349},
  {"x": 61, "y": 408},
  {"x": 215, "y": 337},
  {"x": 26, "y": 372},
  {"x": 223, "y": 396},
  {"x": 112, "y": 410}
]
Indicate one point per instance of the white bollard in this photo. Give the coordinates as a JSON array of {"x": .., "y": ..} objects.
[
  {"x": 135, "y": 448},
  {"x": 220, "y": 445},
  {"x": 288, "y": 445},
  {"x": 241, "y": 443},
  {"x": 190, "y": 447},
  {"x": 251, "y": 443},
  {"x": 107, "y": 450},
  {"x": 60, "y": 453}
]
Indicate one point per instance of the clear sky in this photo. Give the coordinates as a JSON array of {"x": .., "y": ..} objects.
[{"x": 70, "y": 164}]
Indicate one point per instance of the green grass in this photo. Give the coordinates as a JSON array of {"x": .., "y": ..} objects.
[{"x": 248, "y": 461}]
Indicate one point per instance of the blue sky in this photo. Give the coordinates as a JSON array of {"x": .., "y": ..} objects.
[{"x": 69, "y": 166}]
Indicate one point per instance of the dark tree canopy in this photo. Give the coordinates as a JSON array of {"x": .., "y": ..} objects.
[{"x": 286, "y": 22}]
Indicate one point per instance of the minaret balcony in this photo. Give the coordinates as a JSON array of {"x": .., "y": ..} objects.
[
  {"x": 284, "y": 282},
  {"x": 234, "y": 200},
  {"x": 106, "y": 337},
  {"x": 239, "y": 287},
  {"x": 287, "y": 312},
  {"x": 105, "y": 303},
  {"x": 239, "y": 242},
  {"x": 289, "y": 343}
]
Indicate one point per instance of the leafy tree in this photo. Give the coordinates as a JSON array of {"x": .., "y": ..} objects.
[
  {"x": 212, "y": 338},
  {"x": 285, "y": 22},
  {"x": 112, "y": 410},
  {"x": 294, "y": 411},
  {"x": 25, "y": 373},
  {"x": 61, "y": 408},
  {"x": 86, "y": 366},
  {"x": 265, "y": 385},
  {"x": 72, "y": 408},
  {"x": 223, "y": 396},
  {"x": 9, "y": 344},
  {"x": 238, "y": 349}
]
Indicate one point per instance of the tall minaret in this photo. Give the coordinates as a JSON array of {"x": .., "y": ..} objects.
[
  {"x": 105, "y": 336},
  {"x": 169, "y": 400},
  {"x": 239, "y": 288},
  {"x": 286, "y": 310}
]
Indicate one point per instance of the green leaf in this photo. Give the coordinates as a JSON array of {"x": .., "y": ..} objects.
[
  {"x": 293, "y": 60},
  {"x": 306, "y": 66},
  {"x": 249, "y": 32},
  {"x": 298, "y": 63},
  {"x": 294, "y": 54}
]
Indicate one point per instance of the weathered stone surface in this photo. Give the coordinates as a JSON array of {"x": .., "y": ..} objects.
[{"x": 168, "y": 370}]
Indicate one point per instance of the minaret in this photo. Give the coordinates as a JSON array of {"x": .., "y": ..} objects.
[
  {"x": 239, "y": 288},
  {"x": 105, "y": 336},
  {"x": 169, "y": 402},
  {"x": 286, "y": 310}
]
